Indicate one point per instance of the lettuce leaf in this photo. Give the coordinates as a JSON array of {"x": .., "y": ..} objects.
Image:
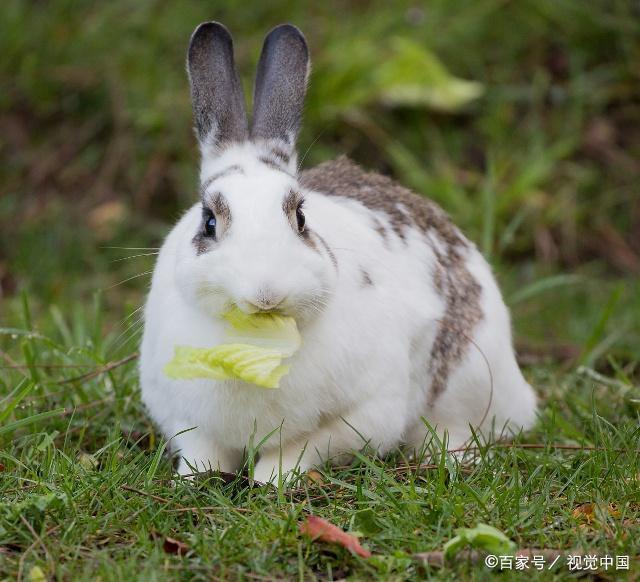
[
  {"x": 268, "y": 330},
  {"x": 257, "y": 345}
]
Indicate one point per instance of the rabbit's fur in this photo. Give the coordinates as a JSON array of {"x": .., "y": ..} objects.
[{"x": 400, "y": 316}]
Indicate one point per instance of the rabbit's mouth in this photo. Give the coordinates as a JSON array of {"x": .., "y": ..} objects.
[{"x": 281, "y": 308}]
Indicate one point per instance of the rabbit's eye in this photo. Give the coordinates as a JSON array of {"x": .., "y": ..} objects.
[
  {"x": 300, "y": 218},
  {"x": 210, "y": 225}
]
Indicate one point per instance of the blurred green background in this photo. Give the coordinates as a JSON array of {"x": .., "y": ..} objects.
[{"x": 522, "y": 119}]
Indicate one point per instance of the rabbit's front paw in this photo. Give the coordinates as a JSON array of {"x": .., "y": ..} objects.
[
  {"x": 199, "y": 452},
  {"x": 270, "y": 466}
]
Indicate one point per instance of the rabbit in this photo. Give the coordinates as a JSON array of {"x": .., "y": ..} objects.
[{"x": 403, "y": 326}]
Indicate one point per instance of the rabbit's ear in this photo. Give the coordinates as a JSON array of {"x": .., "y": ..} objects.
[
  {"x": 216, "y": 92},
  {"x": 281, "y": 83}
]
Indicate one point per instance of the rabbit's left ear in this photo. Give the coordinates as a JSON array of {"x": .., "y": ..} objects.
[
  {"x": 216, "y": 92},
  {"x": 281, "y": 83}
]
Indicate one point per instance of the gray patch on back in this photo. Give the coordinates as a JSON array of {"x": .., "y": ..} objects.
[
  {"x": 406, "y": 210},
  {"x": 462, "y": 313},
  {"x": 403, "y": 208}
]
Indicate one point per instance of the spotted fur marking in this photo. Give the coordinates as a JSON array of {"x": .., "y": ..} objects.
[
  {"x": 328, "y": 250},
  {"x": 217, "y": 204},
  {"x": 226, "y": 171},
  {"x": 404, "y": 210},
  {"x": 462, "y": 313},
  {"x": 365, "y": 278}
]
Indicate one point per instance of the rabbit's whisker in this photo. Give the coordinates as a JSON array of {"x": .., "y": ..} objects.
[
  {"x": 131, "y": 315},
  {"x": 134, "y": 257},
  {"x": 127, "y": 335},
  {"x": 130, "y": 279},
  {"x": 302, "y": 159},
  {"x": 134, "y": 248}
]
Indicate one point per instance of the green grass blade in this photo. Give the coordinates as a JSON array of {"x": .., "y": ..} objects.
[
  {"x": 21, "y": 391},
  {"x": 543, "y": 285},
  {"x": 29, "y": 420}
]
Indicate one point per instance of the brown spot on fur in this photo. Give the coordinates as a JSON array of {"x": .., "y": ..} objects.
[
  {"x": 290, "y": 205},
  {"x": 367, "y": 281},
  {"x": 281, "y": 155},
  {"x": 271, "y": 163},
  {"x": 201, "y": 243},
  {"x": 291, "y": 202},
  {"x": 328, "y": 250},
  {"x": 438, "y": 275},
  {"x": 462, "y": 313},
  {"x": 211, "y": 179},
  {"x": 220, "y": 209},
  {"x": 380, "y": 229},
  {"x": 405, "y": 210},
  {"x": 274, "y": 165},
  {"x": 218, "y": 205}
]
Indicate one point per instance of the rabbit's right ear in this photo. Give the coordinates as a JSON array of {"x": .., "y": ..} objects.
[
  {"x": 281, "y": 83},
  {"x": 216, "y": 92}
]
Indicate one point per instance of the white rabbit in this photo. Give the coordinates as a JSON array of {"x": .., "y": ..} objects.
[{"x": 400, "y": 316}]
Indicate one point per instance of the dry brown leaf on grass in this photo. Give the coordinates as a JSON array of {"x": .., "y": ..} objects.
[
  {"x": 594, "y": 512},
  {"x": 170, "y": 545},
  {"x": 319, "y": 529},
  {"x": 315, "y": 477},
  {"x": 595, "y": 515},
  {"x": 173, "y": 546}
]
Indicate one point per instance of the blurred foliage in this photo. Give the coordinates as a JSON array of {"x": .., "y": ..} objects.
[{"x": 522, "y": 119}]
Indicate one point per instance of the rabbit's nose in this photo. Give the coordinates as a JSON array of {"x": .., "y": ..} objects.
[{"x": 266, "y": 300}]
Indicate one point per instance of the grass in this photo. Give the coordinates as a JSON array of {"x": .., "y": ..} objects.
[
  {"x": 98, "y": 160},
  {"x": 87, "y": 492}
]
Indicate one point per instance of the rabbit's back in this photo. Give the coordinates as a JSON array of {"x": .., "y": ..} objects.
[{"x": 408, "y": 221}]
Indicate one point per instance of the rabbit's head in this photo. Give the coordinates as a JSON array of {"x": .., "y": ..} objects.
[{"x": 253, "y": 244}]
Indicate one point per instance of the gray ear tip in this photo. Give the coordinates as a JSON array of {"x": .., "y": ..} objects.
[
  {"x": 287, "y": 33},
  {"x": 210, "y": 32}
]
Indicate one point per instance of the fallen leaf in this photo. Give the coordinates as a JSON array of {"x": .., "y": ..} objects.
[
  {"x": 87, "y": 462},
  {"x": 593, "y": 512},
  {"x": 593, "y": 516},
  {"x": 584, "y": 511},
  {"x": 37, "y": 575},
  {"x": 320, "y": 529},
  {"x": 415, "y": 77},
  {"x": 314, "y": 476},
  {"x": 612, "y": 510},
  {"x": 173, "y": 546}
]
